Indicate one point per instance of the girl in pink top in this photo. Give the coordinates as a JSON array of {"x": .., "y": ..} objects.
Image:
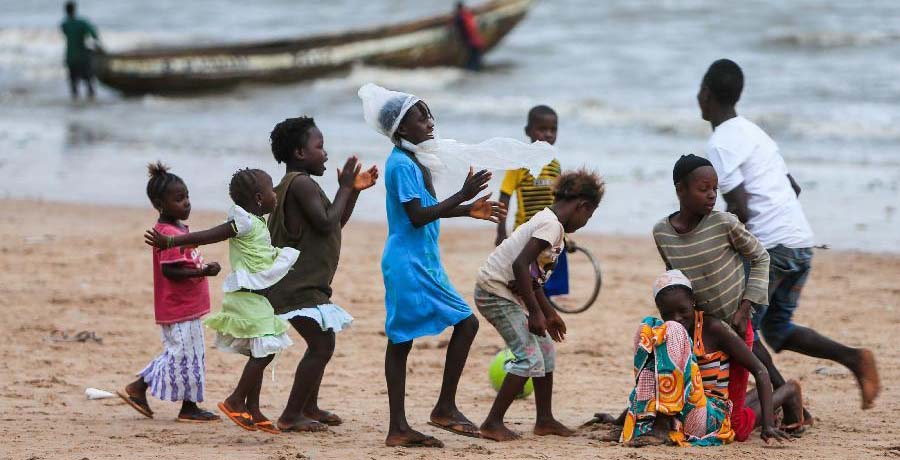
[{"x": 180, "y": 299}]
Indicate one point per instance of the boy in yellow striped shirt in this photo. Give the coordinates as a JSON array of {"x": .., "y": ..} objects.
[{"x": 533, "y": 194}]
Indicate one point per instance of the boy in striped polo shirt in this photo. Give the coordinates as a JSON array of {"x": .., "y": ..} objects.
[
  {"x": 533, "y": 194},
  {"x": 709, "y": 247}
]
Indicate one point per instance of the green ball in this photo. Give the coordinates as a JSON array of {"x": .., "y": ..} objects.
[{"x": 496, "y": 373}]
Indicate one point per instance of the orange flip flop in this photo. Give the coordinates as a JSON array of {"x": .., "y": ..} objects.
[
  {"x": 267, "y": 426},
  {"x": 242, "y": 419}
]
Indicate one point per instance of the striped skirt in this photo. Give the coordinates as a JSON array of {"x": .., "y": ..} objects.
[{"x": 179, "y": 372}]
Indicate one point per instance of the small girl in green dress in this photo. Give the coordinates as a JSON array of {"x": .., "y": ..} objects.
[{"x": 246, "y": 324}]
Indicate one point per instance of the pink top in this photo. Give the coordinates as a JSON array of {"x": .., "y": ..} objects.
[{"x": 178, "y": 300}]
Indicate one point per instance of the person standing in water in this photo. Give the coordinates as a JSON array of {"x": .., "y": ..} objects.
[
  {"x": 78, "y": 56},
  {"x": 467, "y": 26}
]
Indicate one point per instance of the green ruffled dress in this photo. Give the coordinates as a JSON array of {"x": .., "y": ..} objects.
[{"x": 247, "y": 324}]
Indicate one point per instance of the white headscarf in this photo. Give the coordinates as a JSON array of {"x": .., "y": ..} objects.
[
  {"x": 448, "y": 160},
  {"x": 671, "y": 278}
]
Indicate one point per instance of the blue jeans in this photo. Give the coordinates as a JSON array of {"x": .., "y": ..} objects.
[{"x": 788, "y": 271}]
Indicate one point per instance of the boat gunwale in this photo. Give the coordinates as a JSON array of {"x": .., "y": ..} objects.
[{"x": 311, "y": 42}]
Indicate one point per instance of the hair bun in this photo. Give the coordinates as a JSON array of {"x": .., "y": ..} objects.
[{"x": 157, "y": 169}]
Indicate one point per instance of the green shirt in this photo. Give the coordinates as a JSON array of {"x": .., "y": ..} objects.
[{"x": 77, "y": 31}]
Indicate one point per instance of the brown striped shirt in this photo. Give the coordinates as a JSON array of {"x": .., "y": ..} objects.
[{"x": 710, "y": 256}]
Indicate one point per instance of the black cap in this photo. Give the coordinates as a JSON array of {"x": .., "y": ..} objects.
[{"x": 686, "y": 165}]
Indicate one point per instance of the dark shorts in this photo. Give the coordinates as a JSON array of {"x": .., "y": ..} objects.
[
  {"x": 81, "y": 70},
  {"x": 788, "y": 271}
]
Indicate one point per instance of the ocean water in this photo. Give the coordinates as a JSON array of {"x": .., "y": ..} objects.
[{"x": 822, "y": 77}]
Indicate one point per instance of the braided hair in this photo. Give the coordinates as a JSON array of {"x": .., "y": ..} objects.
[
  {"x": 580, "y": 184},
  {"x": 160, "y": 180},
  {"x": 245, "y": 184},
  {"x": 289, "y": 135}
]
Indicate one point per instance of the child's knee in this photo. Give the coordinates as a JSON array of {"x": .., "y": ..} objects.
[
  {"x": 469, "y": 326},
  {"x": 322, "y": 351}
]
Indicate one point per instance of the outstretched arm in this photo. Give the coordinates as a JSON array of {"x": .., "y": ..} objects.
[
  {"x": 739, "y": 352},
  {"x": 203, "y": 237},
  {"x": 179, "y": 272},
  {"x": 453, "y": 206}
]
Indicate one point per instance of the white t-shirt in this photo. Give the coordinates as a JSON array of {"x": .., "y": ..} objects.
[
  {"x": 742, "y": 153},
  {"x": 496, "y": 272}
]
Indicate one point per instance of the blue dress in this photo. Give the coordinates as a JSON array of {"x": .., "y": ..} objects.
[{"x": 419, "y": 298}]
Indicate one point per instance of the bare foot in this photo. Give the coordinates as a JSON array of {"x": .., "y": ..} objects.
[
  {"x": 498, "y": 432},
  {"x": 794, "y": 422},
  {"x": 411, "y": 438},
  {"x": 236, "y": 405},
  {"x": 301, "y": 424},
  {"x": 323, "y": 416},
  {"x": 658, "y": 436},
  {"x": 867, "y": 377},
  {"x": 603, "y": 418},
  {"x": 613, "y": 435},
  {"x": 646, "y": 440},
  {"x": 552, "y": 427}
]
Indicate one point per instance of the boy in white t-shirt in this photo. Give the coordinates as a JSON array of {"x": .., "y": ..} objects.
[
  {"x": 508, "y": 294},
  {"x": 757, "y": 187}
]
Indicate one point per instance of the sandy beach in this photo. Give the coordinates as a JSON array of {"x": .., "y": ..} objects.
[{"x": 82, "y": 267}]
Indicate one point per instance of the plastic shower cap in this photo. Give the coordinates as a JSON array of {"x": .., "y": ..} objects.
[
  {"x": 449, "y": 160},
  {"x": 383, "y": 109}
]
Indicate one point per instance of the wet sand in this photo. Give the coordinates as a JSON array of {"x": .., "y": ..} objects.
[{"x": 80, "y": 267}]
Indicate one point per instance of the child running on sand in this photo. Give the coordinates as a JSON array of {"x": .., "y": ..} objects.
[
  {"x": 246, "y": 324},
  {"x": 419, "y": 298},
  {"x": 758, "y": 188},
  {"x": 180, "y": 299},
  {"x": 533, "y": 194},
  {"x": 681, "y": 377},
  {"x": 510, "y": 279},
  {"x": 305, "y": 219}
]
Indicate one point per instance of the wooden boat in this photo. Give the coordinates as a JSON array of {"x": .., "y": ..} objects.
[{"x": 428, "y": 42}]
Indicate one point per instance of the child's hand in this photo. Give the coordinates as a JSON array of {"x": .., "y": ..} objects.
[
  {"x": 556, "y": 328},
  {"x": 537, "y": 324},
  {"x": 769, "y": 433},
  {"x": 157, "y": 240},
  {"x": 474, "y": 184},
  {"x": 739, "y": 320},
  {"x": 347, "y": 174},
  {"x": 487, "y": 210},
  {"x": 366, "y": 179},
  {"x": 211, "y": 269}
]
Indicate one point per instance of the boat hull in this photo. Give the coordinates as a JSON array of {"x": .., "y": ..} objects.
[{"x": 425, "y": 43}]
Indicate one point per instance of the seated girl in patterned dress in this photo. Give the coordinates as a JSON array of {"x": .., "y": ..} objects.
[{"x": 676, "y": 398}]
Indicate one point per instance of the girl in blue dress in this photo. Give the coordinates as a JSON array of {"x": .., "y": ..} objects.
[{"x": 419, "y": 298}]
